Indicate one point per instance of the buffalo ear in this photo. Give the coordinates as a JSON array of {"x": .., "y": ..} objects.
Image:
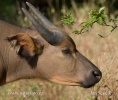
[{"x": 28, "y": 46}]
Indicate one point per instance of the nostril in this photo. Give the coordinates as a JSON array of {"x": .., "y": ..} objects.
[{"x": 97, "y": 74}]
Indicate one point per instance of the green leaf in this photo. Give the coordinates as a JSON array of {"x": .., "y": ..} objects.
[
  {"x": 104, "y": 16},
  {"x": 100, "y": 20},
  {"x": 93, "y": 13},
  {"x": 75, "y": 31},
  {"x": 94, "y": 19},
  {"x": 68, "y": 19},
  {"x": 101, "y": 10}
]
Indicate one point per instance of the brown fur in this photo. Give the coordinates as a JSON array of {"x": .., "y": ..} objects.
[{"x": 61, "y": 63}]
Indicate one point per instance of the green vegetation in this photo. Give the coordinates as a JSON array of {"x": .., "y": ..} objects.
[
  {"x": 68, "y": 19},
  {"x": 95, "y": 16}
]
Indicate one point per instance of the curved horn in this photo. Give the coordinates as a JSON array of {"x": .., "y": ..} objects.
[
  {"x": 42, "y": 18},
  {"x": 51, "y": 37}
]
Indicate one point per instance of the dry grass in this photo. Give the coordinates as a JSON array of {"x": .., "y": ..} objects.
[{"x": 103, "y": 52}]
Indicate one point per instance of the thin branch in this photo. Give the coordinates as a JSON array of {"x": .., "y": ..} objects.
[
  {"x": 107, "y": 24},
  {"x": 103, "y": 36},
  {"x": 115, "y": 23}
]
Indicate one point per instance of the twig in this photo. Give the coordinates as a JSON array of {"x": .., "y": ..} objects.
[
  {"x": 103, "y": 36},
  {"x": 108, "y": 24}
]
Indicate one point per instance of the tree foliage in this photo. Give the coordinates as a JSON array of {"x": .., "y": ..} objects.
[
  {"x": 68, "y": 19},
  {"x": 95, "y": 16}
]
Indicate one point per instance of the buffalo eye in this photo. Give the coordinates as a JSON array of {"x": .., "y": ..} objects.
[{"x": 67, "y": 51}]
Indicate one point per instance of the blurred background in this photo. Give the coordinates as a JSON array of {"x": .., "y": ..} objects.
[
  {"x": 103, "y": 52},
  {"x": 10, "y": 10}
]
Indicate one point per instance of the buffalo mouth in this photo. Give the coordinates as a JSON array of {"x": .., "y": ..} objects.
[
  {"x": 72, "y": 82},
  {"x": 87, "y": 85},
  {"x": 65, "y": 82}
]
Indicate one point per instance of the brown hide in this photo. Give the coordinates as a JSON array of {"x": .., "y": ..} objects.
[{"x": 60, "y": 64}]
